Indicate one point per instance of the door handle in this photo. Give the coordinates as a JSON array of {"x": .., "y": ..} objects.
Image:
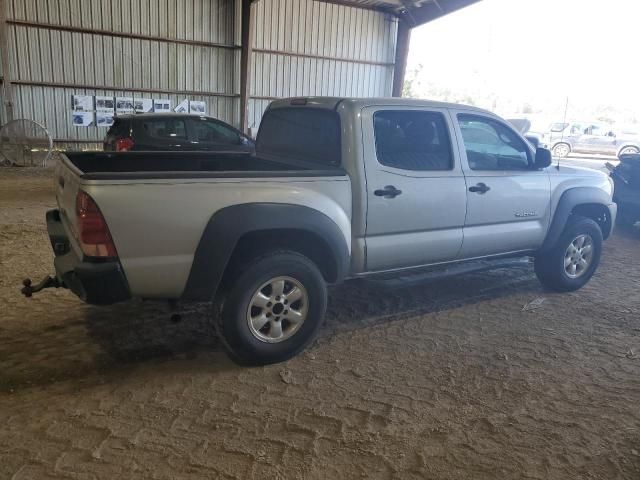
[
  {"x": 388, "y": 192},
  {"x": 480, "y": 188}
]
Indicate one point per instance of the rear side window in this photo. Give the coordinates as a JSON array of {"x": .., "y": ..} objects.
[
  {"x": 298, "y": 133},
  {"x": 412, "y": 140},
  {"x": 165, "y": 128},
  {"x": 120, "y": 128}
]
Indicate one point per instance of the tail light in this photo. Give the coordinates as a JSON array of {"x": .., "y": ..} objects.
[
  {"x": 124, "y": 144},
  {"x": 94, "y": 236}
]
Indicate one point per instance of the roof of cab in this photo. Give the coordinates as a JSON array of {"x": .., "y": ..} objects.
[
  {"x": 358, "y": 103},
  {"x": 142, "y": 116}
]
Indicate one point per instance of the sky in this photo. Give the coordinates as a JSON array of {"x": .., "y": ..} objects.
[{"x": 536, "y": 51}]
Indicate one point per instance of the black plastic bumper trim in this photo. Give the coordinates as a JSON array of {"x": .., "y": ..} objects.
[{"x": 101, "y": 283}]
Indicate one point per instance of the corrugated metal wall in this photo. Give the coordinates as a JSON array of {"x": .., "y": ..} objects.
[
  {"x": 306, "y": 47},
  {"x": 181, "y": 49},
  {"x": 172, "y": 49}
]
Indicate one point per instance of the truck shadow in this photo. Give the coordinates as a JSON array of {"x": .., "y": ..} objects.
[{"x": 94, "y": 342}]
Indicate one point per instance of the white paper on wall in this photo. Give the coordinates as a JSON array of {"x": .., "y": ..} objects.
[
  {"x": 143, "y": 105},
  {"x": 83, "y": 119},
  {"x": 124, "y": 105},
  {"x": 104, "y": 119},
  {"x": 82, "y": 103},
  {"x": 197, "y": 107},
  {"x": 182, "y": 107},
  {"x": 105, "y": 104},
  {"x": 161, "y": 105}
]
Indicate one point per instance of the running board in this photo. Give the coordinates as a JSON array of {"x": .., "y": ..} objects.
[{"x": 433, "y": 273}]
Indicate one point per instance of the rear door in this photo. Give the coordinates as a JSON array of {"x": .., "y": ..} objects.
[
  {"x": 507, "y": 199},
  {"x": 160, "y": 133},
  {"x": 416, "y": 198},
  {"x": 208, "y": 134}
]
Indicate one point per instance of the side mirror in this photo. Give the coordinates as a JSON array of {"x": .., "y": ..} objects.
[{"x": 543, "y": 158}]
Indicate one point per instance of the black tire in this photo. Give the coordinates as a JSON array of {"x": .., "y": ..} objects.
[
  {"x": 561, "y": 150},
  {"x": 232, "y": 324},
  {"x": 550, "y": 265}
]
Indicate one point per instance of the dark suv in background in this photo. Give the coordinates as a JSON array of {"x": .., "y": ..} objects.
[{"x": 174, "y": 131}]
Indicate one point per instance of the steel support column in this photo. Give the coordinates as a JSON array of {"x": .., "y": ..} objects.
[
  {"x": 7, "y": 87},
  {"x": 246, "y": 33},
  {"x": 402, "y": 51}
]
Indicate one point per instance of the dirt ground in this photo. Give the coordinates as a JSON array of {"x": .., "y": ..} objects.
[{"x": 409, "y": 380}]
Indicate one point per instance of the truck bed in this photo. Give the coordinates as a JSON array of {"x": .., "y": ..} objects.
[{"x": 158, "y": 165}]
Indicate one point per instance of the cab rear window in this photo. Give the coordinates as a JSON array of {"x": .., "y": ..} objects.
[{"x": 299, "y": 133}]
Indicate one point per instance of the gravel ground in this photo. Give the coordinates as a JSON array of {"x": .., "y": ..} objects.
[{"x": 439, "y": 380}]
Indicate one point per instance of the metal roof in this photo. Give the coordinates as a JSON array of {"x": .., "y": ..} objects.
[{"x": 415, "y": 12}]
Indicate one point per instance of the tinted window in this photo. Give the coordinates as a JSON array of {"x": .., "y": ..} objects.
[
  {"x": 598, "y": 130},
  {"x": 490, "y": 145},
  {"x": 213, "y": 132},
  {"x": 299, "y": 133},
  {"x": 120, "y": 128},
  {"x": 412, "y": 140},
  {"x": 165, "y": 128}
]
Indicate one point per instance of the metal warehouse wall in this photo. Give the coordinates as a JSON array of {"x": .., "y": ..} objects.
[
  {"x": 181, "y": 49},
  {"x": 173, "y": 49},
  {"x": 306, "y": 47}
]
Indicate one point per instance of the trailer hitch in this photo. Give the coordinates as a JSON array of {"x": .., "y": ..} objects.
[{"x": 47, "y": 282}]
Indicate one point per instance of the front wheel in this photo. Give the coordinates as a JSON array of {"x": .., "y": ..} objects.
[
  {"x": 274, "y": 308},
  {"x": 561, "y": 150},
  {"x": 628, "y": 151},
  {"x": 572, "y": 261}
]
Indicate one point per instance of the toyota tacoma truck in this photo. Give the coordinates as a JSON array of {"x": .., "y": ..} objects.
[{"x": 337, "y": 189}]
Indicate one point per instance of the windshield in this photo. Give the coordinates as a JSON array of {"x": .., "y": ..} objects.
[{"x": 298, "y": 133}]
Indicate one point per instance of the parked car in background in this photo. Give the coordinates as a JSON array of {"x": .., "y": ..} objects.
[
  {"x": 338, "y": 188},
  {"x": 592, "y": 138},
  {"x": 174, "y": 131}
]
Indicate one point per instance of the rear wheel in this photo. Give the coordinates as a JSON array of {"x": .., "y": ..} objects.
[
  {"x": 561, "y": 150},
  {"x": 572, "y": 261},
  {"x": 274, "y": 308}
]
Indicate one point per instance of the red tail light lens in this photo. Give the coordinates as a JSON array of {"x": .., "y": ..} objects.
[
  {"x": 94, "y": 236},
  {"x": 124, "y": 144}
]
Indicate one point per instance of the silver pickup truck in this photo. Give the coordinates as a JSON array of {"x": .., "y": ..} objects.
[{"x": 338, "y": 188}]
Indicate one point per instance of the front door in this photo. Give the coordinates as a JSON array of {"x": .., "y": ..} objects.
[
  {"x": 507, "y": 199},
  {"x": 208, "y": 134},
  {"x": 416, "y": 200}
]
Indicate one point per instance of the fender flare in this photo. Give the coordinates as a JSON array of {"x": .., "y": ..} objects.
[
  {"x": 570, "y": 199},
  {"x": 229, "y": 224}
]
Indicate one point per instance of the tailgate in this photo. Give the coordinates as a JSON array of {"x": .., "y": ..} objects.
[{"x": 67, "y": 184}]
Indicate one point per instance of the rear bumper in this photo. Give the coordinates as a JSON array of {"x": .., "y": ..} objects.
[{"x": 95, "y": 282}]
